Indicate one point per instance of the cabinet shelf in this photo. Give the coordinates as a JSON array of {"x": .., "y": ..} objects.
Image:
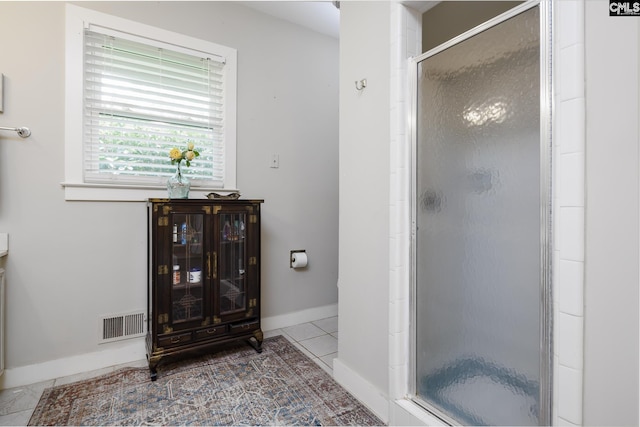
[
  {"x": 185, "y": 285},
  {"x": 226, "y": 241}
]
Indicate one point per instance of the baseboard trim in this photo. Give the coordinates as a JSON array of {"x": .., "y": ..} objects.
[
  {"x": 407, "y": 413},
  {"x": 134, "y": 350},
  {"x": 298, "y": 317},
  {"x": 361, "y": 389}
]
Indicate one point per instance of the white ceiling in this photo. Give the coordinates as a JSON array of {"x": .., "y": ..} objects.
[{"x": 320, "y": 16}]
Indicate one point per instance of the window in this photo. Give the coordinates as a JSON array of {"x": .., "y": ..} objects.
[{"x": 133, "y": 93}]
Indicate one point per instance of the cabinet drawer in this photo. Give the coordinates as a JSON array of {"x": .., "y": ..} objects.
[
  {"x": 210, "y": 332},
  {"x": 175, "y": 339},
  {"x": 245, "y": 327}
]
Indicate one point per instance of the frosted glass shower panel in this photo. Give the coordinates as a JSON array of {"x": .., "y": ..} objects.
[{"x": 478, "y": 227}]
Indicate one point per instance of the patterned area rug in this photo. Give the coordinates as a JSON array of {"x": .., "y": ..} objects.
[{"x": 237, "y": 386}]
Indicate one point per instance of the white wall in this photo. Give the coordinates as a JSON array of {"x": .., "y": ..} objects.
[
  {"x": 70, "y": 262},
  {"x": 611, "y": 274},
  {"x": 364, "y": 200}
]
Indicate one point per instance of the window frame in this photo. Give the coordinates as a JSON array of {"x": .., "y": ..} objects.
[{"x": 75, "y": 187}]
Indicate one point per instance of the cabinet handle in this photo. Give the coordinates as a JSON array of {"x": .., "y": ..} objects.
[
  {"x": 208, "y": 265},
  {"x": 175, "y": 340},
  {"x": 215, "y": 265},
  {"x": 211, "y": 331}
]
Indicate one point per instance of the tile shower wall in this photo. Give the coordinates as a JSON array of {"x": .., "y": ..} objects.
[
  {"x": 568, "y": 200},
  {"x": 406, "y": 41},
  {"x": 569, "y": 213}
]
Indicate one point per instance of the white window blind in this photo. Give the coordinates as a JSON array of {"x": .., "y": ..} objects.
[{"x": 143, "y": 97}]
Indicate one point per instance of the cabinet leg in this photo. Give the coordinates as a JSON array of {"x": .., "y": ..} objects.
[
  {"x": 256, "y": 340},
  {"x": 153, "y": 366}
]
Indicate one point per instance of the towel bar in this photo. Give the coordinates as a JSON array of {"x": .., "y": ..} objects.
[{"x": 22, "y": 131}]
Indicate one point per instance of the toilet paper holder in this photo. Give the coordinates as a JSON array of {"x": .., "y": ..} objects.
[{"x": 291, "y": 255}]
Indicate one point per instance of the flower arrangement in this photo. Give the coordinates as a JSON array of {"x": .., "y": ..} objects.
[{"x": 187, "y": 155}]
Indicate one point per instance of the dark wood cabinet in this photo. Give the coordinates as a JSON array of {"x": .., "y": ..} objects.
[{"x": 204, "y": 276}]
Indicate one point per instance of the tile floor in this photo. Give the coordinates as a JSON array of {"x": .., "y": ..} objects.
[{"x": 318, "y": 340}]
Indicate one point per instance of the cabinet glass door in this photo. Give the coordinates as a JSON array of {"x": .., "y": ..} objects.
[
  {"x": 186, "y": 270},
  {"x": 232, "y": 263}
]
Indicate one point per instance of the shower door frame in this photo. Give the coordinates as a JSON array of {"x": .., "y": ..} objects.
[{"x": 546, "y": 250}]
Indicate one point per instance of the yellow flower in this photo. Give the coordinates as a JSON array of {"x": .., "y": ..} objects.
[
  {"x": 175, "y": 154},
  {"x": 188, "y": 155}
]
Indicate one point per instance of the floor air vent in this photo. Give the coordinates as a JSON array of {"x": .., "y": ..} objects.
[{"x": 120, "y": 327}]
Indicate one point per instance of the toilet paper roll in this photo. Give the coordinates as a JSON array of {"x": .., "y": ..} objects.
[{"x": 299, "y": 260}]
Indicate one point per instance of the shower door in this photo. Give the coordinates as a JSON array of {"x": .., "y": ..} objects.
[{"x": 481, "y": 206}]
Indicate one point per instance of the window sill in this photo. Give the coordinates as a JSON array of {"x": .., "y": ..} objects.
[{"x": 126, "y": 193}]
